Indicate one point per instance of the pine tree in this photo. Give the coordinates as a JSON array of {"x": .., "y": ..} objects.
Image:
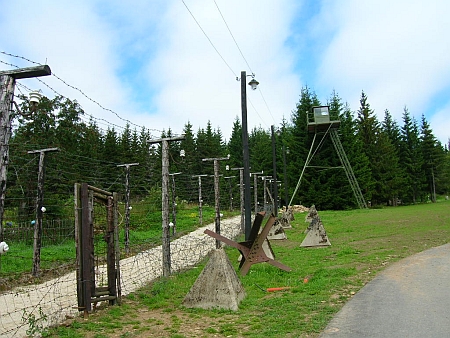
[
  {"x": 433, "y": 157},
  {"x": 368, "y": 128},
  {"x": 234, "y": 146},
  {"x": 412, "y": 160}
]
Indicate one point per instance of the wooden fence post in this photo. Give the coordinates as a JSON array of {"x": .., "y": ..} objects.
[
  {"x": 166, "y": 264},
  {"x": 39, "y": 211}
]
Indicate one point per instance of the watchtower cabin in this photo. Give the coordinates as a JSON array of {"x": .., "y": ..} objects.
[{"x": 320, "y": 120}]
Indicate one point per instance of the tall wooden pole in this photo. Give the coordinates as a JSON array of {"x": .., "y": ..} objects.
[
  {"x": 37, "y": 240},
  {"x": 7, "y": 83},
  {"x": 216, "y": 194},
  {"x": 6, "y": 98},
  {"x": 166, "y": 261},
  {"x": 127, "y": 204}
]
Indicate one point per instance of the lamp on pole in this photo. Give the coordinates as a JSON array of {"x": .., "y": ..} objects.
[{"x": 246, "y": 156}]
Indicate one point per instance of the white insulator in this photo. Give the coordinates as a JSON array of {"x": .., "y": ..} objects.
[{"x": 3, "y": 247}]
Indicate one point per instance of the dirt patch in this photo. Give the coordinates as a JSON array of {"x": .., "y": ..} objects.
[{"x": 168, "y": 322}]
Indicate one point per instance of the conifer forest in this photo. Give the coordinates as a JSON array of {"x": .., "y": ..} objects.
[{"x": 395, "y": 162}]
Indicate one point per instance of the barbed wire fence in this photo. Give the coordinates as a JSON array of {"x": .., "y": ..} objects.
[{"x": 29, "y": 305}]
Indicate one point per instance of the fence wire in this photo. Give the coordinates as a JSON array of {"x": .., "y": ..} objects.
[{"x": 28, "y": 310}]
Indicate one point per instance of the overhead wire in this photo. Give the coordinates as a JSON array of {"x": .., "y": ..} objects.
[
  {"x": 229, "y": 30},
  {"x": 206, "y": 35},
  {"x": 74, "y": 88},
  {"x": 248, "y": 65}
]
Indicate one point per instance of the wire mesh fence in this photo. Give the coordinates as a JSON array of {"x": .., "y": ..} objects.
[
  {"x": 54, "y": 232},
  {"x": 29, "y": 309}
]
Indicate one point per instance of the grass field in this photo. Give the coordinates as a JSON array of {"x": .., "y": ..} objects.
[{"x": 363, "y": 243}]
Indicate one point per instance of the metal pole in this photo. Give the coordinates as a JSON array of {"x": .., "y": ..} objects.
[
  {"x": 246, "y": 156},
  {"x": 285, "y": 178},
  {"x": 275, "y": 188}
]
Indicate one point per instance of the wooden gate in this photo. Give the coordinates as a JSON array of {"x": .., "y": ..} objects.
[{"x": 97, "y": 243}]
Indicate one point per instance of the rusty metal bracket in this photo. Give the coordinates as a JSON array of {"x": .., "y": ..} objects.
[{"x": 252, "y": 249}]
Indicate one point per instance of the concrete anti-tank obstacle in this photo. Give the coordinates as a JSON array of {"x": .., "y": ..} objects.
[
  {"x": 316, "y": 236},
  {"x": 286, "y": 217},
  {"x": 217, "y": 286},
  {"x": 310, "y": 216},
  {"x": 277, "y": 231}
]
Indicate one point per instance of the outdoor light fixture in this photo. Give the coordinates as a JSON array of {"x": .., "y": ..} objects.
[
  {"x": 35, "y": 98},
  {"x": 43, "y": 209},
  {"x": 253, "y": 84}
]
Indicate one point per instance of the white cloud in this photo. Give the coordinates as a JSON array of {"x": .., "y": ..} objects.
[
  {"x": 393, "y": 50},
  {"x": 197, "y": 85},
  {"x": 151, "y": 63},
  {"x": 441, "y": 125}
]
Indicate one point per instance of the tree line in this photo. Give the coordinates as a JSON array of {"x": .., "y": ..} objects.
[{"x": 393, "y": 162}]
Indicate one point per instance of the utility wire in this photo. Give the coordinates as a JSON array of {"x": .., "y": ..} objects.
[
  {"x": 233, "y": 37},
  {"x": 206, "y": 35},
  {"x": 242, "y": 54},
  {"x": 75, "y": 88},
  {"x": 270, "y": 112}
]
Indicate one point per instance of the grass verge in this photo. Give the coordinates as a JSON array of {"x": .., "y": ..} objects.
[{"x": 363, "y": 243}]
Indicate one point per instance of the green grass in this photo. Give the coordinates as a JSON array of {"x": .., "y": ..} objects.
[{"x": 364, "y": 242}]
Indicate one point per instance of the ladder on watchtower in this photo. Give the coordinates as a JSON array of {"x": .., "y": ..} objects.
[{"x": 348, "y": 169}]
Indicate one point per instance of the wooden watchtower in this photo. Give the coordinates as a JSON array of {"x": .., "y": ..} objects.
[{"x": 321, "y": 122}]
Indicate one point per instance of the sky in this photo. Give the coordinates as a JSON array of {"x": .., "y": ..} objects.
[{"x": 161, "y": 64}]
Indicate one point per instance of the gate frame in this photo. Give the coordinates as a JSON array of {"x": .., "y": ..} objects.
[{"x": 87, "y": 293}]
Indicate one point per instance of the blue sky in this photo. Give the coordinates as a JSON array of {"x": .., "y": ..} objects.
[{"x": 150, "y": 63}]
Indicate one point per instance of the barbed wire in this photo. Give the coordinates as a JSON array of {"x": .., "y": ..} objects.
[{"x": 76, "y": 89}]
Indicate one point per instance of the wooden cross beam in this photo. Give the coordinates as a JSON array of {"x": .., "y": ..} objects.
[{"x": 252, "y": 249}]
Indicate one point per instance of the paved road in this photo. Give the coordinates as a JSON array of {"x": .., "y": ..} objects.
[{"x": 411, "y": 298}]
